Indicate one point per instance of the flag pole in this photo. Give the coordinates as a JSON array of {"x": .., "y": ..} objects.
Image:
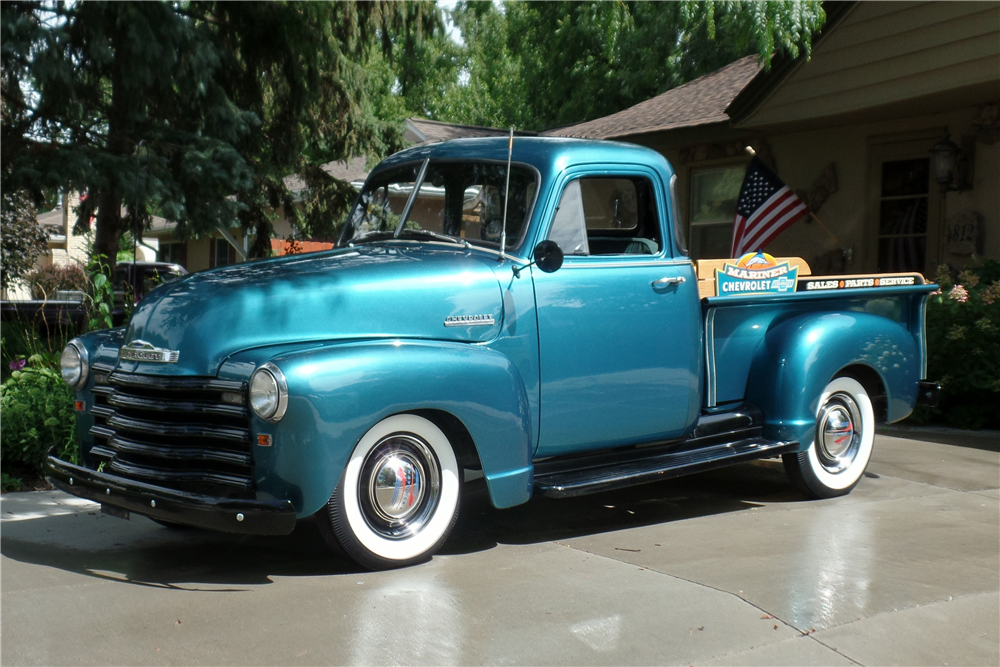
[{"x": 825, "y": 228}]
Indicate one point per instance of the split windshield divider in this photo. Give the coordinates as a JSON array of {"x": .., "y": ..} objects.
[{"x": 413, "y": 198}]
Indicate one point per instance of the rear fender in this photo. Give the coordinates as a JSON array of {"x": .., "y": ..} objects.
[
  {"x": 338, "y": 392},
  {"x": 800, "y": 355}
]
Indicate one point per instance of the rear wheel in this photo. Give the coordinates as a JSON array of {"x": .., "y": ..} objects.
[
  {"x": 842, "y": 442},
  {"x": 398, "y": 497}
]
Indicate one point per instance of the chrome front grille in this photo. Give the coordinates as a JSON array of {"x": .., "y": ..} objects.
[{"x": 189, "y": 434}]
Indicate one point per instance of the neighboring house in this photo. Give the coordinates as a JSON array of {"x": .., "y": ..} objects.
[
  {"x": 852, "y": 131},
  {"x": 65, "y": 247},
  {"x": 425, "y": 131},
  {"x": 229, "y": 246}
]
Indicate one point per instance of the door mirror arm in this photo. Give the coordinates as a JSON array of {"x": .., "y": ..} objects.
[{"x": 547, "y": 255}]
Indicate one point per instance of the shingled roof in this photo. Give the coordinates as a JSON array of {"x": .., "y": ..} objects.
[
  {"x": 425, "y": 130},
  {"x": 699, "y": 102},
  {"x": 354, "y": 169}
]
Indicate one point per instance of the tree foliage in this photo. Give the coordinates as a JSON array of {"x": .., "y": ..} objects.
[
  {"x": 21, "y": 239},
  {"x": 218, "y": 103},
  {"x": 535, "y": 65},
  {"x": 225, "y": 99}
]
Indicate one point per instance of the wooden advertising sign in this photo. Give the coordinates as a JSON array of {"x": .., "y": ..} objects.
[{"x": 825, "y": 283}]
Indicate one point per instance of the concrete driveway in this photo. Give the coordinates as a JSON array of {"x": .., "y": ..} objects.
[{"x": 728, "y": 567}]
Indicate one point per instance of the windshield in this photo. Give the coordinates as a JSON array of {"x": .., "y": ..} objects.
[{"x": 460, "y": 200}]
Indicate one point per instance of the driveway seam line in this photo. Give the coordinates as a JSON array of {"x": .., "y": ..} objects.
[
  {"x": 802, "y": 633},
  {"x": 703, "y": 585},
  {"x": 938, "y": 486},
  {"x": 835, "y": 650},
  {"x": 954, "y": 598}
]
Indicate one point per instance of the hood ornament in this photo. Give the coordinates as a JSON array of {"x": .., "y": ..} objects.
[{"x": 140, "y": 350}]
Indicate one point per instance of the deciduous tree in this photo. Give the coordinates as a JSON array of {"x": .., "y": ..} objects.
[{"x": 535, "y": 65}]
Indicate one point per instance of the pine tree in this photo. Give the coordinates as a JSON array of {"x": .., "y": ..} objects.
[{"x": 216, "y": 101}]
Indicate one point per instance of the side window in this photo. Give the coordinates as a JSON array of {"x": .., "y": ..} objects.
[
  {"x": 607, "y": 216},
  {"x": 569, "y": 227}
]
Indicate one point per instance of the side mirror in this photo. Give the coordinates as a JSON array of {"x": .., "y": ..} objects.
[{"x": 548, "y": 256}]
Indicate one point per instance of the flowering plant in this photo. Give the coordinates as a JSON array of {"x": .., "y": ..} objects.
[{"x": 963, "y": 345}]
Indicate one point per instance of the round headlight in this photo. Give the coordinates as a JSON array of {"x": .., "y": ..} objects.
[
  {"x": 268, "y": 393},
  {"x": 73, "y": 365}
]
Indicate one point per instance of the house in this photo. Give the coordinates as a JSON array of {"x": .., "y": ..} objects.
[
  {"x": 424, "y": 131},
  {"x": 66, "y": 247},
  {"x": 852, "y": 131},
  {"x": 229, "y": 246}
]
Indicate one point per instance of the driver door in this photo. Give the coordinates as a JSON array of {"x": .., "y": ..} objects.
[{"x": 618, "y": 323}]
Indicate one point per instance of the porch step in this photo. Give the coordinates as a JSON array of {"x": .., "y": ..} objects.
[{"x": 583, "y": 481}]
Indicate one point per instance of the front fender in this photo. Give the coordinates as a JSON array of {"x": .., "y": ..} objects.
[
  {"x": 800, "y": 355},
  {"x": 337, "y": 392}
]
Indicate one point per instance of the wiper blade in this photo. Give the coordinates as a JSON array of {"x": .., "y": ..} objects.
[
  {"x": 435, "y": 235},
  {"x": 371, "y": 235}
]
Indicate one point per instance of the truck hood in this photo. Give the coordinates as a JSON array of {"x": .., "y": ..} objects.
[{"x": 380, "y": 291}]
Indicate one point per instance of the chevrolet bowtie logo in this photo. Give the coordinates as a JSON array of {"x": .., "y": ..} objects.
[{"x": 140, "y": 350}]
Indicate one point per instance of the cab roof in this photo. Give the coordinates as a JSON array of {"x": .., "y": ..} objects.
[{"x": 549, "y": 155}]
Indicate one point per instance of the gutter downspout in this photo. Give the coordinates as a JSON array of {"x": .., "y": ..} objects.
[{"x": 243, "y": 250}]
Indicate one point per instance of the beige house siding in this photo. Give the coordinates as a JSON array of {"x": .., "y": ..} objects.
[
  {"x": 883, "y": 53},
  {"x": 801, "y": 156}
]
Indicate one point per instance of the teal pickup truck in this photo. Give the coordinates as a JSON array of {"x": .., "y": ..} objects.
[{"x": 525, "y": 314}]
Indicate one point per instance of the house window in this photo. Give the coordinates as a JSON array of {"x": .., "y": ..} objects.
[
  {"x": 903, "y": 207},
  {"x": 714, "y": 192},
  {"x": 175, "y": 253},
  {"x": 222, "y": 253}
]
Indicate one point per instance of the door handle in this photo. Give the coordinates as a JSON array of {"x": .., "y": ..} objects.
[{"x": 671, "y": 280}]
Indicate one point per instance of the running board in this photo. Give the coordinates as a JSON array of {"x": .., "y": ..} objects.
[{"x": 656, "y": 468}]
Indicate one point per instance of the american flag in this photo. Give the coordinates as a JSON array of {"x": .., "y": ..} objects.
[{"x": 766, "y": 208}]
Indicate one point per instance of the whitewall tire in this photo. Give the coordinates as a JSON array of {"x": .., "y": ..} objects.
[
  {"x": 842, "y": 442},
  {"x": 398, "y": 497}
]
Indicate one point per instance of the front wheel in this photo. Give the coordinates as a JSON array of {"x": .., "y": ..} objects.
[
  {"x": 398, "y": 497},
  {"x": 842, "y": 442}
]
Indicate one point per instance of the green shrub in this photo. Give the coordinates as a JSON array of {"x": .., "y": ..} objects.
[
  {"x": 963, "y": 346},
  {"x": 25, "y": 337},
  {"x": 37, "y": 409},
  {"x": 10, "y": 483},
  {"x": 45, "y": 282}
]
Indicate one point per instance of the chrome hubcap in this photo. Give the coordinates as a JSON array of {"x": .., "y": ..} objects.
[
  {"x": 838, "y": 432},
  {"x": 400, "y": 485}
]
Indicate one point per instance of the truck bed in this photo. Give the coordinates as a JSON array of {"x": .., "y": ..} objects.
[{"x": 736, "y": 326}]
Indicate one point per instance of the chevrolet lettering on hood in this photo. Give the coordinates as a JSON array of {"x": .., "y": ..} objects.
[
  {"x": 140, "y": 350},
  {"x": 469, "y": 321}
]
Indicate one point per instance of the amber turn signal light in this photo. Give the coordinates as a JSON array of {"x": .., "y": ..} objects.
[
  {"x": 264, "y": 440},
  {"x": 79, "y": 406}
]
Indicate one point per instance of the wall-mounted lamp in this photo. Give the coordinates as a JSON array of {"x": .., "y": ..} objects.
[{"x": 952, "y": 165}]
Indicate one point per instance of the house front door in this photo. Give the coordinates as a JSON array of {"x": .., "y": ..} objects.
[{"x": 904, "y": 208}]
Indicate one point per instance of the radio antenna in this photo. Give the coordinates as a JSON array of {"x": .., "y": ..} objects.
[{"x": 506, "y": 195}]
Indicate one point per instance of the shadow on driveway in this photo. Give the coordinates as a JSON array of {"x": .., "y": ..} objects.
[{"x": 143, "y": 553}]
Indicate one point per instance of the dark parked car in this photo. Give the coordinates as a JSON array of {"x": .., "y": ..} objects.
[{"x": 69, "y": 310}]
